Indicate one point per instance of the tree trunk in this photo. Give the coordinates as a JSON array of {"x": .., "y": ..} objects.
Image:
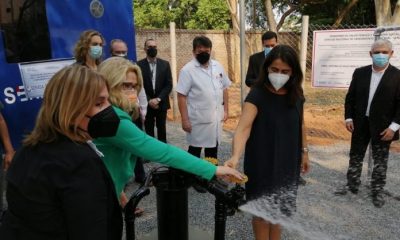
[
  {"x": 291, "y": 9},
  {"x": 396, "y": 14},
  {"x": 232, "y": 5},
  {"x": 270, "y": 15},
  {"x": 234, "y": 61},
  {"x": 383, "y": 12},
  {"x": 254, "y": 8},
  {"x": 344, "y": 12}
]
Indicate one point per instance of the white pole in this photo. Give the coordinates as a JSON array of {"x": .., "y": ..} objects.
[
  {"x": 173, "y": 69},
  {"x": 303, "y": 48},
  {"x": 242, "y": 51}
]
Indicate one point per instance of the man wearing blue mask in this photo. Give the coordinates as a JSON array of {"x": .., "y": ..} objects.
[
  {"x": 372, "y": 114},
  {"x": 269, "y": 40}
]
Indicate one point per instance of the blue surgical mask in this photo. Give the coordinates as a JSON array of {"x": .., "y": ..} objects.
[
  {"x": 267, "y": 50},
  {"x": 380, "y": 59},
  {"x": 95, "y": 52}
]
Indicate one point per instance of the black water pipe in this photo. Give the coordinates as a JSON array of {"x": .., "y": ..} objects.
[
  {"x": 129, "y": 210},
  {"x": 227, "y": 201},
  {"x": 172, "y": 203}
]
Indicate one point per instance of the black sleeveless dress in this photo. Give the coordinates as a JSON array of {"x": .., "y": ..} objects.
[{"x": 273, "y": 151}]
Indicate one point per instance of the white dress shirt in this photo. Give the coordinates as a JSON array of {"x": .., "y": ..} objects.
[
  {"x": 153, "y": 69},
  {"x": 376, "y": 78}
]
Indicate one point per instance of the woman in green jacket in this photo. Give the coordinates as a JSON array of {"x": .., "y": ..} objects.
[{"x": 120, "y": 152}]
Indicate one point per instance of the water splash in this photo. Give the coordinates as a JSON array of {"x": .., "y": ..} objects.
[{"x": 267, "y": 208}]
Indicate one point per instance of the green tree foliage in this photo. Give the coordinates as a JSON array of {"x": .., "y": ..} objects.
[
  {"x": 325, "y": 13},
  {"x": 211, "y": 14},
  {"x": 152, "y": 13},
  {"x": 187, "y": 14},
  {"x": 255, "y": 16}
]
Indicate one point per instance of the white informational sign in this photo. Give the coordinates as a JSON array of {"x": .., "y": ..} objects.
[
  {"x": 337, "y": 53},
  {"x": 35, "y": 75}
]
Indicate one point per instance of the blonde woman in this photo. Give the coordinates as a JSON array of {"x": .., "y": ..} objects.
[
  {"x": 120, "y": 152},
  {"x": 89, "y": 49},
  {"x": 51, "y": 191},
  {"x": 125, "y": 81}
]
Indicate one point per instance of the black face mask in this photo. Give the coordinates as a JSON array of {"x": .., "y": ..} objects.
[
  {"x": 151, "y": 52},
  {"x": 203, "y": 57},
  {"x": 104, "y": 123}
]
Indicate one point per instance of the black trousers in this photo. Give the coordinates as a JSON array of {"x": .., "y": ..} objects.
[
  {"x": 159, "y": 117},
  {"x": 380, "y": 155},
  {"x": 140, "y": 174},
  {"x": 208, "y": 152}
]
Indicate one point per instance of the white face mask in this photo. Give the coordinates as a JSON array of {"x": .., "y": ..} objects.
[
  {"x": 278, "y": 80},
  {"x": 121, "y": 55}
]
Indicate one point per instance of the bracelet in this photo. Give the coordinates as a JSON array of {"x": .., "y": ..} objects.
[{"x": 304, "y": 150}]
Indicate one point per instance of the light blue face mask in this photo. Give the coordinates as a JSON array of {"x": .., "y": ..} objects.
[
  {"x": 380, "y": 59},
  {"x": 95, "y": 52},
  {"x": 267, "y": 50}
]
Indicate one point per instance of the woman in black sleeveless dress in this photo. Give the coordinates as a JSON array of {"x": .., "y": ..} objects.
[{"x": 271, "y": 131}]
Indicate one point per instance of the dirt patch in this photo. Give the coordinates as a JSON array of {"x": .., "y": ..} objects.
[{"x": 325, "y": 126}]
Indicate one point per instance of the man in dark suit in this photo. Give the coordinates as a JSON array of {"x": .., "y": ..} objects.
[
  {"x": 157, "y": 82},
  {"x": 269, "y": 40},
  {"x": 372, "y": 113}
]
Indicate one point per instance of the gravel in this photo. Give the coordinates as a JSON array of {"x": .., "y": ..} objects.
[{"x": 320, "y": 214}]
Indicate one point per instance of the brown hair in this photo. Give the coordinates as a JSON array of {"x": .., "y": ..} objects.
[
  {"x": 68, "y": 96},
  {"x": 83, "y": 44}
]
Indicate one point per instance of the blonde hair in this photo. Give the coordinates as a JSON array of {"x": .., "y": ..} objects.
[
  {"x": 82, "y": 46},
  {"x": 68, "y": 96},
  {"x": 115, "y": 69}
]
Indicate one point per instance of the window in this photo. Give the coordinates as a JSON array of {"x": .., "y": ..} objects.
[{"x": 23, "y": 24}]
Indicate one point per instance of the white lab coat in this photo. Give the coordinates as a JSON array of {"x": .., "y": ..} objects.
[{"x": 203, "y": 89}]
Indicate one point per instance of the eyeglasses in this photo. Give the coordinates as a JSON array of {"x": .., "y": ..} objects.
[{"x": 128, "y": 86}]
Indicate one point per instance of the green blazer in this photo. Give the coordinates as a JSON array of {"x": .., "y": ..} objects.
[{"x": 120, "y": 153}]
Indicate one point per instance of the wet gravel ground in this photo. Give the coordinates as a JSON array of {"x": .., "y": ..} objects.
[{"x": 320, "y": 214}]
